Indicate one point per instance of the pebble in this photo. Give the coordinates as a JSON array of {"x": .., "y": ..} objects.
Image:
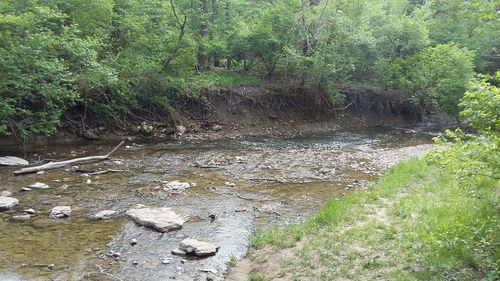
[
  {"x": 40, "y": 172},
  {"x": 133, "y": 242},
  {"x": 135, "y": 262},
  {"x": 166, "y": 261},
  {"x": 25, "y": 189}
]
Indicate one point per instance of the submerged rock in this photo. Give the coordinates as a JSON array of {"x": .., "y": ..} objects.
[
  {"x": 12, "y": 161},
  {"x": 5, "y": 193},
  {"x": 198, "y": 248},
  {"x": 39, "y": 185},
  {"x": 60, "y": 212},
  {"x": 105, "y": 215},
  {"x": 24, "y": 217},
  {"x": 161, "y": 219},
  {"x": 176, "y": 185},
  {"x": 7, "y": 203}
]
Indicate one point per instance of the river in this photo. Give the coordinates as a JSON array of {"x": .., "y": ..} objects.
[{"x": 248, "y": 184}]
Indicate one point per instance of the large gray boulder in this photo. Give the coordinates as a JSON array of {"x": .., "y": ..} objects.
[
  {"x": 7, "y": 203},
  {"x": 12, "y": 161},
  {"x": 161, "y": 219},
  {"x": 198, "y": 248}
]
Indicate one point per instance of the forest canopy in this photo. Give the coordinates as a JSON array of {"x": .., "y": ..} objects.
[{"x": 108, "y": 58}]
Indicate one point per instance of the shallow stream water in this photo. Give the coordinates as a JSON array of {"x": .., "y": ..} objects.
[{"x": 276, "y": 181}]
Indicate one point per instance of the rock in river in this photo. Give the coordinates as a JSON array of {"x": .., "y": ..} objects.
[
  {"x": 24, "y": 217},
  {"x": 161, "y": 219},
  {"x": 105, "y": 215},
  {"x": 176, "y": 185},
  {"x": 39, "y": 185},
  {"x": 7, "y": 203},
  {"x": 198, "y": 248},
  {"x": 12, "y": 161},
  {"x": 60, "y": 212},
  {"x": 5, "y": 193}
]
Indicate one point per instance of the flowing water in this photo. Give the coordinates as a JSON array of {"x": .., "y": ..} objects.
[{"x": 276, "y": 181}]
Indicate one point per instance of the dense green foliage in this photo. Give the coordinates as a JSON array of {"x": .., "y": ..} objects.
[
  {"x": 108, "y": 58},
  {"x": 435, "y": 218}
]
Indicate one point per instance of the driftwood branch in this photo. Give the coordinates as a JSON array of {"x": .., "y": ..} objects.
[
  {"x": 60, "y": 164},
  {"x": 105, "y": 172}
]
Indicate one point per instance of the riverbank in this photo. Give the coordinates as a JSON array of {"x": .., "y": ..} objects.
[
  {"x": 235, "y": 112},
  {"x": 416, "y": 223}
]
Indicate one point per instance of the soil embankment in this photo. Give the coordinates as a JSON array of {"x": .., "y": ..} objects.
[{"x": 254, "y": 111}]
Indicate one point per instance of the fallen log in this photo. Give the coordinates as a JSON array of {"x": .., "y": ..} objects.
[{"x": 60, "y": 164}]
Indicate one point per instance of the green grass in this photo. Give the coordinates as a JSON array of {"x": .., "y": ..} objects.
[
  {"x": 416, "y": 223},
  {"x": 257, "y": 278},
  {"x": 232, "y": 260}
]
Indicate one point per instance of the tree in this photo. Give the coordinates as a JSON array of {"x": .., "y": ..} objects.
[
  {"x": 481, "y": 103},
  {"x": 438, "y": 77}
]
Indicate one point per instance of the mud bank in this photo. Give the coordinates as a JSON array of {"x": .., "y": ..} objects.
[{"x": 247, "y": 111}]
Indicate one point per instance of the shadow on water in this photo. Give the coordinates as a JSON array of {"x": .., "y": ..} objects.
[{"x": 247, "y": 184}]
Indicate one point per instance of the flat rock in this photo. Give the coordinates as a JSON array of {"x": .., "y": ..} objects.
[
  {"x": 60, "y": 212},
  {"x": 105, "y": 215},
  {"x": 12, "y": 161},
  {"x": 39, "y": 185},
  {"x": 7, "y": 203},
  {"x": 161, "y": 219},
  {"x": 177, "y": 185},
  {"x": 198, "y": 248},
  {"x": 24, "y": 217}
]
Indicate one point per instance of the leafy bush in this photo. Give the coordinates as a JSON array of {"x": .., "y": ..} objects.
[
  {"x": 481, "y": 104},
  {"x": 37, "y": 51}
]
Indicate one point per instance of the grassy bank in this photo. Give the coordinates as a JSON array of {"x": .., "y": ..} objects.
[{"x": 417, "y": 223}]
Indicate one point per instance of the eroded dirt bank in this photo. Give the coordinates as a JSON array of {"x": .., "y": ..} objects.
[
  {"x": 249, "y": 111},
  {"x": 241, "y": 185}
]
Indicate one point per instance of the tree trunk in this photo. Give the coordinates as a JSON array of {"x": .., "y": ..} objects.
[{"x": 203, "y": 32}]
